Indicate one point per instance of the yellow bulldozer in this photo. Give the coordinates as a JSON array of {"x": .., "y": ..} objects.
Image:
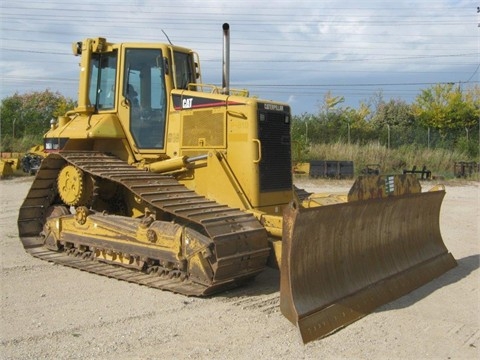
[{"x": 158, "y": 179}]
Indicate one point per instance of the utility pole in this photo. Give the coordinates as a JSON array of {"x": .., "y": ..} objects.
[{"x": 388, "y": 136}]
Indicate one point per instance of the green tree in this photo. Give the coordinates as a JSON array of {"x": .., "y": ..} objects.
[
  {"x": 394, "y": 122},
  {"x": 29, "y": 115},
  {"x": 331, "y": 120},
  {"x": 330, "y": 101},
  {"x": 447, "y": 108},
  {"x": 300, "y": 136},
  {"x": 452, "y": 112},
  {"x": 356, "y": 124},
  {"x": 344, "y": 123}
]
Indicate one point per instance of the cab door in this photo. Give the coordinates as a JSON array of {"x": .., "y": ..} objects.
[{"x": 143, "y": 98}]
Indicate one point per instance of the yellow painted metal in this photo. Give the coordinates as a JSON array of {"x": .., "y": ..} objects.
[
  {"x": 275, "y": 258},
  {"x": 101, "y": 126},
  {"x": 301, "y": 168},
  {"x": 87, "y": 46},
  {"x": 315, "y": 200},
  {"x": 6, "y": 168},
  {"x": 74, "y": 187},
  {"x": 117, "y": 258},
  {"x": 10, "y": 163},
  {"x": 384, "y": 186},
  {"x": 177, "y": 163},
  {"x": 152, "y": 235}
]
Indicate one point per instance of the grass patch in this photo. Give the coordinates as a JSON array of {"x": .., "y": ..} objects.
[{"x": 440, "y": 162}]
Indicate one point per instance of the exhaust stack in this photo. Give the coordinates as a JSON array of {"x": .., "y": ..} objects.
[{"x": 226, "y": 59}]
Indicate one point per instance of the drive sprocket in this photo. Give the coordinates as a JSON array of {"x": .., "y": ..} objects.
[{"x": 74, "y": 186}]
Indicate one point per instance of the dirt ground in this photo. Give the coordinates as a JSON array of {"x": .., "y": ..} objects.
[{"x": 54, "y": 312}]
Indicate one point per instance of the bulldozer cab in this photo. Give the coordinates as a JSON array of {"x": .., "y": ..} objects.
[
  {"x": 137, "y": 87},
  {"x": 148, "y": 77}
]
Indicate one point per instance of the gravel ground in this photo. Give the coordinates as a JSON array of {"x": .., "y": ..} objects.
[{"x": 54, "y": 312}]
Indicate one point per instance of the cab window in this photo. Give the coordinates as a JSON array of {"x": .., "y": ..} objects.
[
  {"x": 144, "y": 91},
  {"x": 184, "y": 72},
  {"x": 103, "y": 73}
]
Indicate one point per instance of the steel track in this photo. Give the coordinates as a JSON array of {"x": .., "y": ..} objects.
[{"x": 230, "y": 230}]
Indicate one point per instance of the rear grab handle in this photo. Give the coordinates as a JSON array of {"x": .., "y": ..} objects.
[{"x": 259, "y": 146}]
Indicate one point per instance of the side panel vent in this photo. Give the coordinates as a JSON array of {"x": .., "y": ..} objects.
[{"x": 204, "y": 128}]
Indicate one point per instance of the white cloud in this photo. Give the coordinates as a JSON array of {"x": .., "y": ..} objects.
[
  {"x": 301, "y": 49},
  {"x": 292, "y": 99}
]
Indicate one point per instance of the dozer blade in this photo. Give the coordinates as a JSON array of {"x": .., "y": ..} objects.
[{"x": 340, "y": 262}]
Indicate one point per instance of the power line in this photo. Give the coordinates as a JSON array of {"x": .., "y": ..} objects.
[
  {"x": 40, "y": 19},
  {"x": 259, "y": 8},
  {"x": 473, "y": 74},
  {"x": 273, "y": 42}
]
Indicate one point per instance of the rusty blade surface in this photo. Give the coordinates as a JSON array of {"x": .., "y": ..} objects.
[{"x": 340, "y": 262}]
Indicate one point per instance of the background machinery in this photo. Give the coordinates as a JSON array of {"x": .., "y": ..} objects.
[{"x": 158, "y": 179}]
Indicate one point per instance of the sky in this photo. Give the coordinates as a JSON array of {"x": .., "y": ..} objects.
[{"x": 296, "y": 52}]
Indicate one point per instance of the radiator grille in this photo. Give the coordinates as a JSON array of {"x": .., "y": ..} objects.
[{"x": 274, "y": 135}]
